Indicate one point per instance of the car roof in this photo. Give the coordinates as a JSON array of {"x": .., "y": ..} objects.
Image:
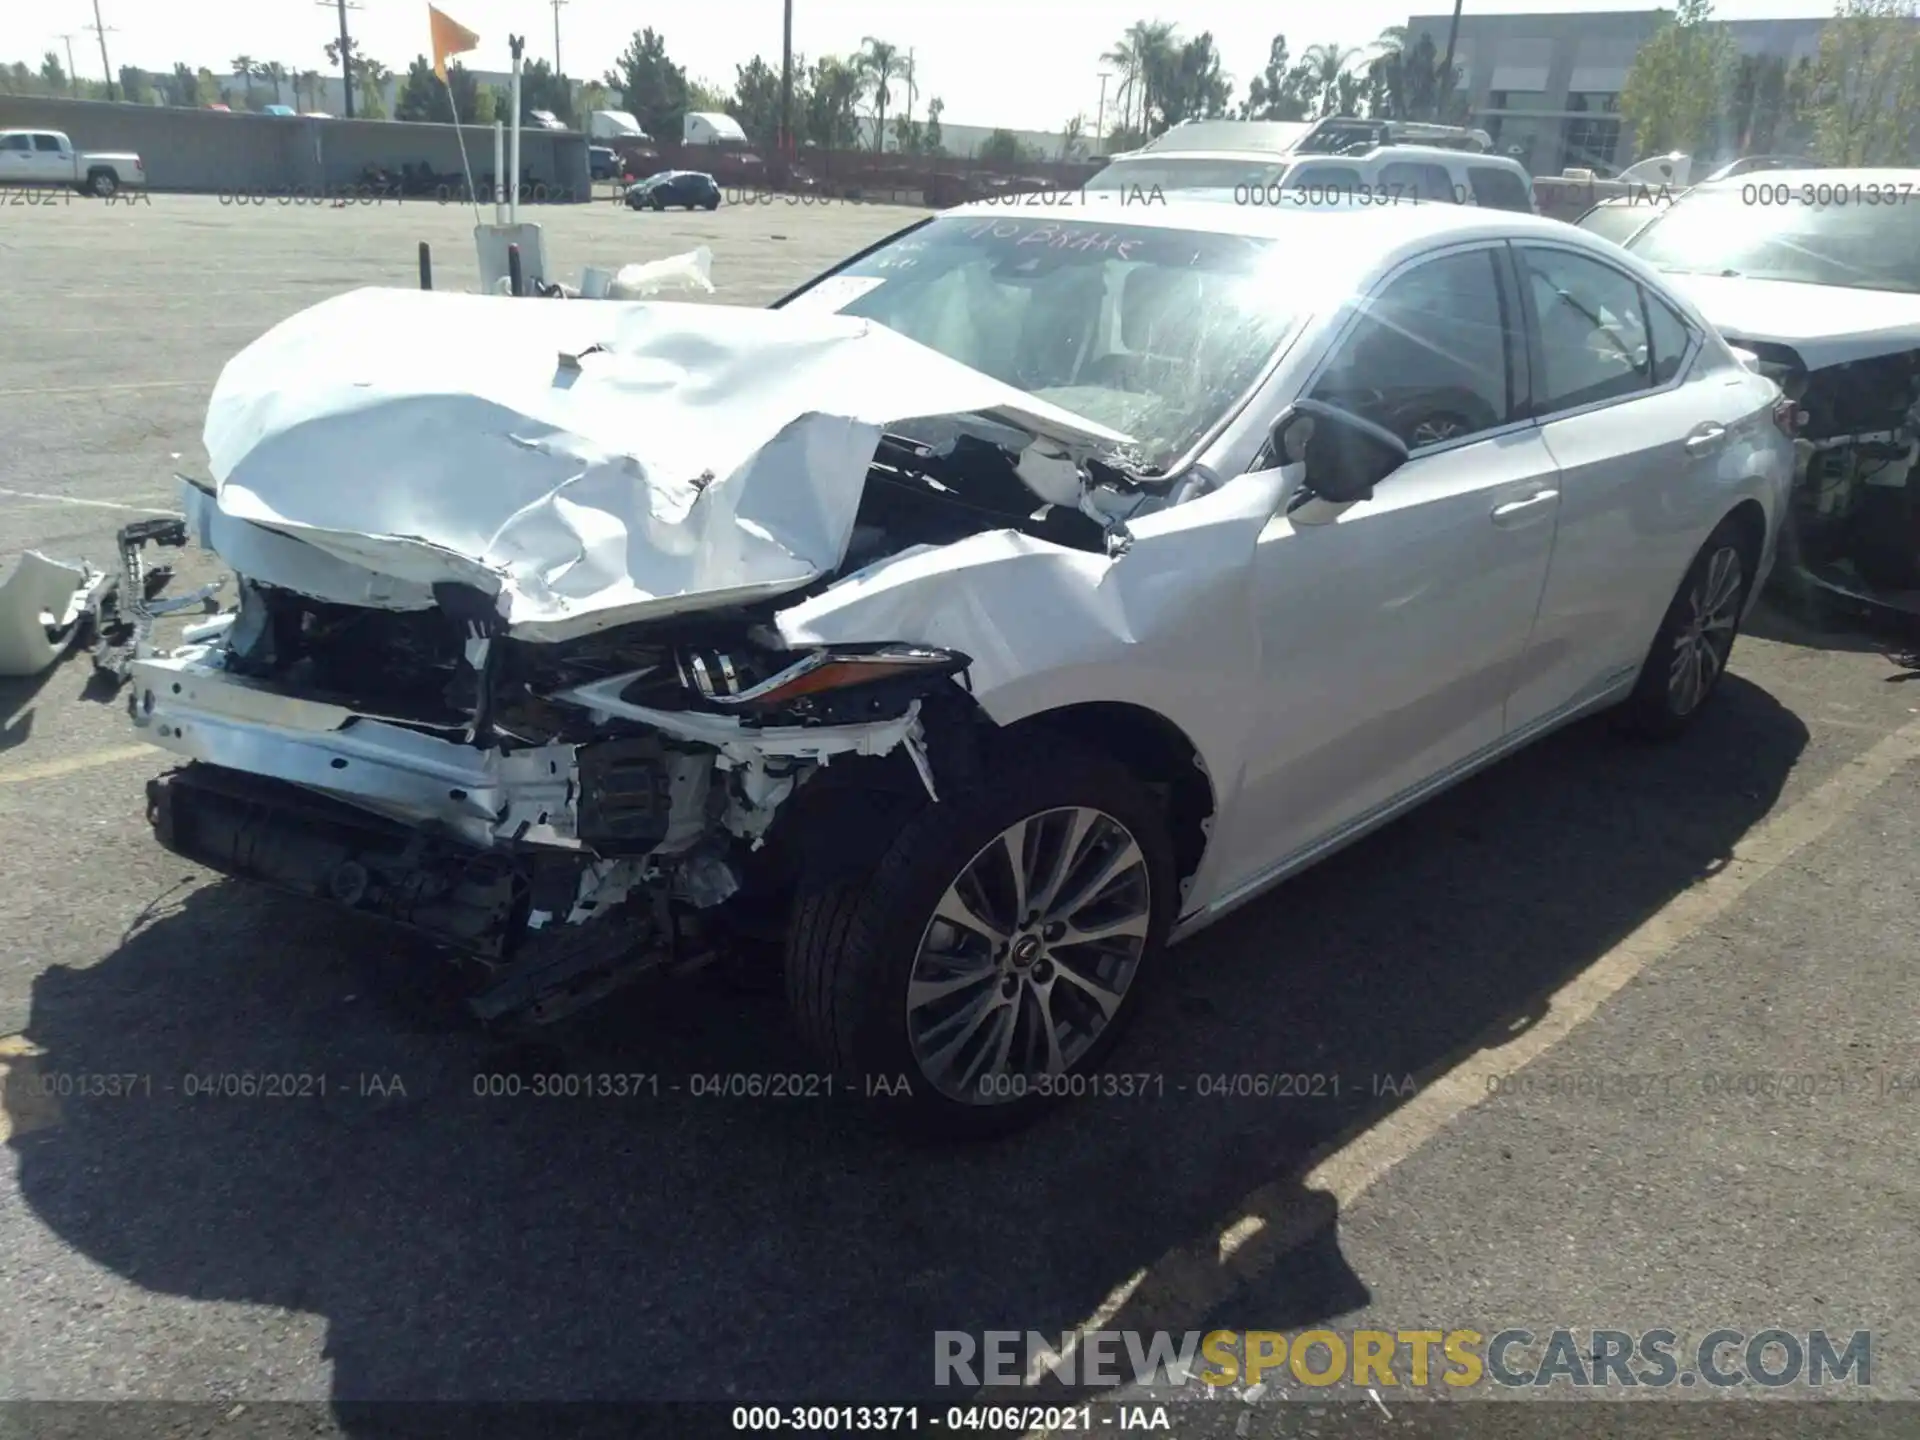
[
  {"x": 1342, "y": 245},
  {"x": 1823, "y": 175},
  {"x": 1154, "y": 157}
]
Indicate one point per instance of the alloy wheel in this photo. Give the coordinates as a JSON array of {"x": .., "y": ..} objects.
[
  {"x": 1028, "y": 955},
  {"x": 1705, "y": 637}
]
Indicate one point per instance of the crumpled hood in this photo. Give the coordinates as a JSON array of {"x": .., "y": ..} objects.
[
  {"x": 692, "y": 455},
  {"x": 1825, "y": 324}
]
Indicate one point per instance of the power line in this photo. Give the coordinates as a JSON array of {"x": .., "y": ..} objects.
[
  {"x": 102, "y": 31},
  {"x": 346, "y": 47}
]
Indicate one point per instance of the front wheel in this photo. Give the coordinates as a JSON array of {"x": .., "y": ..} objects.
[
  {"x": 1690, "y": 652},
  {"x": 986, "y": 967}
]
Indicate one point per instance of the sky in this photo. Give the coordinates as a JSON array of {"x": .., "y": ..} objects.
[{"x": 1023, "y": 64}]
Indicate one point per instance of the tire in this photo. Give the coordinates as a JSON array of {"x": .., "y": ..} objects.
[
  {"x": 102, "y": 184},
  {"x": 659, "y": 202},
  {"x": 713, "y": 205},
  {"x": 855, "y": 942},
  {"x": 1665, "y": 702}
]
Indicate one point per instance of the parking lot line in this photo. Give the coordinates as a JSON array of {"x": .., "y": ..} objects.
[
  {"x": 1193, "y": 1280},
  {"x": 105, "y": 389},
  {"x": 76, "y": 500},
  {"x": 73, "y": 764}
]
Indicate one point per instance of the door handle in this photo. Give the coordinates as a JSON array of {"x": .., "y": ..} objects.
[
  {"x": 1516, "y": 509},
  {"x": 1706, "y": 440}
]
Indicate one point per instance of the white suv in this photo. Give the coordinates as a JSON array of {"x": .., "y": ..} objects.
[{"x": 1387, "y": 174}]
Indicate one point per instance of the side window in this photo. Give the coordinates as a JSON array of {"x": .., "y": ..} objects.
[
  {"x": 1428, "y": 356},
  {"x": 1670, "y": 337},
  {"x": 1593, "y": 338},
  {"x": 1499, "y": 189},
  {"x": 1407, "y": 180},
  {"x": 16, "y": 142},
  {"x": 46, "y": 142}
]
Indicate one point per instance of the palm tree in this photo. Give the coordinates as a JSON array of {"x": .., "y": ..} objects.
[
  {"x": 1124, "y": 57},
  {"x": 1329, "y": 63},
  {"x": 243, "y": 69},
  {"x": 310, "y": 79},
  {"x": 276, "y": 72},
  {"x": 878, "y": 64},
  {"x": 1072, "y": 135},
  {"x": 1143, "y": 56}
]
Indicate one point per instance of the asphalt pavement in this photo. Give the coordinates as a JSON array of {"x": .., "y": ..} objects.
[{"x": 1612, "y": 1037}]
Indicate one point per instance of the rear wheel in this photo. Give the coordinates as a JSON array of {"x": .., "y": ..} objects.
[
  {"x": 987, "y": 966},
  {"x": 103, "y": 183},
  {"x": 1690, "y": 652}
]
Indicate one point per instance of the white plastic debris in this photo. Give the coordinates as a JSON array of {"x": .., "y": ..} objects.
[
  {"x": 691, "y": 271},
  {"x": 42, "y": 606}
]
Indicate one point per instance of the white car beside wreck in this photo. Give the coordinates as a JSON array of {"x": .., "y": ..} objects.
[{"x": 1011, "y": 602}]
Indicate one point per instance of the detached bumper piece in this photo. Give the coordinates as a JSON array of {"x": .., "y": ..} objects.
[{"x": 473, "y": 901}]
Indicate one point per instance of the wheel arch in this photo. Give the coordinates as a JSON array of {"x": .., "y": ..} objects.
[{"x": 1156, "y": 750}]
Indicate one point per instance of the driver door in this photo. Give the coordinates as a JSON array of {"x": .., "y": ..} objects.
[{"x": 1391, "y": 633}]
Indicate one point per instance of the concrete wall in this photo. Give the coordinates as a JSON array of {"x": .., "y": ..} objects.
[{"x": 210, "y": 151}]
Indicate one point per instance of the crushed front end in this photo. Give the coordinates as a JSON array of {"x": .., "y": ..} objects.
[
  {"x": 1853, "y": 527},
  {"x": 566, "y": 814}
]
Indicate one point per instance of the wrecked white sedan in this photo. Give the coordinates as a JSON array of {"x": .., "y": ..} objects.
[
  {"x": 1817, "y": 274},
  {"x": 1007, "y": 604}
]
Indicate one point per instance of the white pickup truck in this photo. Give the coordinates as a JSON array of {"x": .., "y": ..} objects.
[{"x": 47, "y": 157}]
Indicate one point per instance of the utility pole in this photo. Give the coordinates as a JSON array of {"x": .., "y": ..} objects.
[
  {"x": 102, "y": 31},
  {"x": 70, "y": 74},
  {"x": 1100, "y": 117},
  {"x": 1446, "y": 65},
  {"x": 556, "y": 35},
  {"x": 786, "y": 84},
  {"x": 346, "y": 49}
]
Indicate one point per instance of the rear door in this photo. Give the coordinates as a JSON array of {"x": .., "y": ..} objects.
[
  {"x": 1639, "y": 426},
  {"x": 53, "y": 163}
]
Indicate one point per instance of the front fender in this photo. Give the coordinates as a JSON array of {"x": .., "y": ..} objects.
[{"x": 1165, "y": 626}]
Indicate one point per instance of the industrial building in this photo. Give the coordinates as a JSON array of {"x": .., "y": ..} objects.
[{"x": 1547, "y": 87}]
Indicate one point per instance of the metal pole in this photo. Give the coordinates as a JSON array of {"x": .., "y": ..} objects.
[
  {"x": 346, "y": 59},
  {"x": 1100, "y": 117},
  {"x": 105, "y": 64},
  {"x": 557, "y": 72},
  {"x": 499, "y": 172},
  {"x": 1446, "y": 65},
  {"x": 786, "y": 83},
  {"x": 518, "y": 42},
  {"x": 70, "y": 75}
]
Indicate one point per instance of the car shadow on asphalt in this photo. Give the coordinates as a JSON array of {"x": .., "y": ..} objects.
[{"x": 466, "y": 1244}]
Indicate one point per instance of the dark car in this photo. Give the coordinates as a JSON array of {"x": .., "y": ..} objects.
[
  {"x": 603, "y": 163},
  {"x": 689, "y": 189}
]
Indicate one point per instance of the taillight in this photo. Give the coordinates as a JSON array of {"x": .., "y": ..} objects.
[{"x": 1786, "y": 415}]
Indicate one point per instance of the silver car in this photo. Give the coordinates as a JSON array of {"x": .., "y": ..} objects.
[{"x": 1000, "y": 609}]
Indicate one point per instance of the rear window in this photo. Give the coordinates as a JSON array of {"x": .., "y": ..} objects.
[
  {"x": 1413, "y": 180},
  {"x": 1498, "y": 188}
]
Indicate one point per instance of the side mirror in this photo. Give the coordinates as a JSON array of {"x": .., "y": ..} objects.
[{"x": 1345, "y": 455}]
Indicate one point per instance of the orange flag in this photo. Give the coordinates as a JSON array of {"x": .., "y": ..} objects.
[{"x": 449, "y": 38}]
